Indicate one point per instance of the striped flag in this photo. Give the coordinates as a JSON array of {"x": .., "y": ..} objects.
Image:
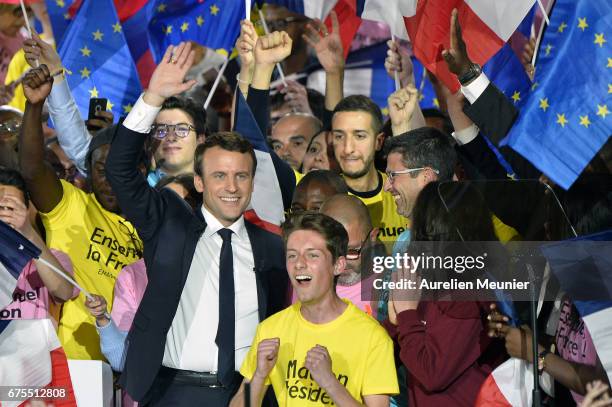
[
  {"x": 486, "y": 26},
  {"x": 267, "y": 208},
  {"x": 15, "y": 252},
  {"x": 583, "y": 267},
  {"x": 30, "y": 352},
  {"x": 32, "y": 356}
]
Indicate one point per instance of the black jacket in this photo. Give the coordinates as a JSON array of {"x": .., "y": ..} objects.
[{"x": 170, "y": 230}]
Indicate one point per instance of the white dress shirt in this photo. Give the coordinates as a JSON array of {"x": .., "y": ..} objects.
[
  {"x": 190, "y": 343},
  {"x": 472, "y": 91}
]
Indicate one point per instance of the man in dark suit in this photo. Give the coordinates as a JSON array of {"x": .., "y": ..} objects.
[{"x": 212, "y": 276}]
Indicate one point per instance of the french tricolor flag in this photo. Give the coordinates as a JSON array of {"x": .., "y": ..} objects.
[
  {"x": 486, "y": 26},
  {"x": 30, "y": 352},
  {"x": 583, "y": 267},
  {"x": 274, "y": 179},
  {"x": 32, "y": 356}
]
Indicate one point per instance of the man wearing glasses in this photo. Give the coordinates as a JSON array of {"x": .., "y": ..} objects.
[
  {"x": 178, "y": 126},
  {"x": 354, "y": 216}
]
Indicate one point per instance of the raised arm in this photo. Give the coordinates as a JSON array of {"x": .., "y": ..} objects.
[
  {"x": 492, "y": 112},
  {"x": 398, "y": 61},
  {"x": 269, "y": 50},
  {"x": 141, "y": 204},
  {"x": 43, "y": 184},
  {"x": 245, "y": 44},
  {"x": 72, "y": 133},
  {"x": 328, "y": 47},
  {"x": 403, "y": 104}
]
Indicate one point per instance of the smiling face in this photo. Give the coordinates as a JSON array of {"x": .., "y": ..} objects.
[
  {"x": 405, "y": 188},
  {"x": 226, "y": 183},
  {"x": 175, "y": 154},
  {"x": 355, "y": 142},
  {"x": 311, "y": 267},
  {"x": 316, "y": 154}
]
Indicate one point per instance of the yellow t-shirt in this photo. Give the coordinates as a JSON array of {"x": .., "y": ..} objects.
[
  {"x": 383, "y": 213},
  {"x": 100, "y": 245},
  {"x": 504, "y": 232},
  {"x": 360, "y": 350},
  {"x": 298, "y": 176}
]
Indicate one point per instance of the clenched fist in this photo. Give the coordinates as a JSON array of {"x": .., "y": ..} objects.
[
  {"x": 272, "y": 48},
  {"x": 37, "y": 84}
]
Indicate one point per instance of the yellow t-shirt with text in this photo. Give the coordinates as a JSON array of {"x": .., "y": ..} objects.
[
  {"x": 383, "y": 213},
  {"x": 360, "y": 350},
  {"x": 99, "y": 243}
]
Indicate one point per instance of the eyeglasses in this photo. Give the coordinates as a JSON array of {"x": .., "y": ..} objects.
[
  {"x": 161, "y": 131},
  {"x": 392, "y": 174},
  {"x": 11, "y": 126},
  {"x": 281, "y": 24},
  {"x": 354, "y": 254}
]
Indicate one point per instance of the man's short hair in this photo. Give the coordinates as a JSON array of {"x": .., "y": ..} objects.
[
  {"x": 326, "y": 177},
  {"x": 336, "y": 237},
  {"x": 13, "y": 178},
  {"x": 227, "y": 140},
  {"x": 425, "y": 147},
  {"x": 187, "y": 105},
  {"x": 360, "y": 103},
  {"x": 437, "y": 113}
]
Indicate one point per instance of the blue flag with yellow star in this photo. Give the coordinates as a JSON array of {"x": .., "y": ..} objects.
[
  {"x": 566, "y": 119},
  {"x": 97, "y": 59},
  {"x": 212, "y": 23},
  {"x": 59, "y": 16}
]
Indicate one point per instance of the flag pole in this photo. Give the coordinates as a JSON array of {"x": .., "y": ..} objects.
[
  {"x": 544, "y": 12},
  {"x": 25, "y": 17},
  {"x": 216, "y": 83},
  {"x": 395, "y": 74},
  {"x": 539, "y": 38},
  {"x": 27, "y": 22},
  {"x": 247, "y": 9},
  {"x": 278, "y": 65},
  {"x": 69, "y": 279}
]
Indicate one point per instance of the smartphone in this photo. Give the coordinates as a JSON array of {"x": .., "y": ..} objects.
[{"x": 96, "y": 105}]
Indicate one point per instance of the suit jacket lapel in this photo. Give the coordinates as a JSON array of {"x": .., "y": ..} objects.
[
  {"x": 194, "y": 231},
  {"x": 259, "y": 257}
]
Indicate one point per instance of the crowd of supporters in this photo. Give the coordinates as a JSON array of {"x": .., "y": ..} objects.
[{"x": 198, "y": 300}]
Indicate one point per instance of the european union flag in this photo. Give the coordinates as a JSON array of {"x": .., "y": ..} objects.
[
  {"x": 565, "y": 120},
  {"x": 214, "y": 24},
  {"x": 98, "y": 60},
  {"x": 60, "y": 17},
  {"x": 505, "y": 69}
]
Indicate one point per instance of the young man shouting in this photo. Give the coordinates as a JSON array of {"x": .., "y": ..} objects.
[{"x": 322, "y": 349}]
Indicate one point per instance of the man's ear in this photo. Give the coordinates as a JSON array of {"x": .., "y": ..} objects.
[
  {"x": 198, "y": 183},
  {"x": 374, "y": 234},
  {"x": 340, "y": 265},
  {"x": 380, "y": 139}
]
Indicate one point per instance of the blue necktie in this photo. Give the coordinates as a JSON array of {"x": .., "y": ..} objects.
[{"x": 226, "y": 330}]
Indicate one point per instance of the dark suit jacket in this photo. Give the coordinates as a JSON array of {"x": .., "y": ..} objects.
[
  {"x": 495, "y": 115},
  {"x": 170, "y": 231}
]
